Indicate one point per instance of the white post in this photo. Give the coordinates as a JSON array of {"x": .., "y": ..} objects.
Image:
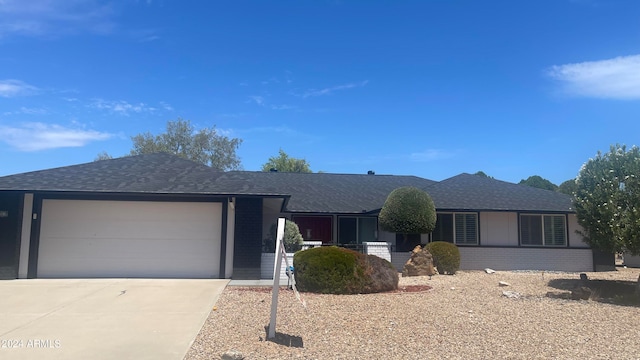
[{"x": 276, "y": 278}]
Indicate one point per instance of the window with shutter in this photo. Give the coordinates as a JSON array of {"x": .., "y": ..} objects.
[{"x": 543, "y": 230}]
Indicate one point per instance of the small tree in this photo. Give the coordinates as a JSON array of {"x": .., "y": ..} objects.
[
  {"x": 408, "y": 210},
  {"x": 539, "y": 182},
  {"x": 568, "y": 187},
  {"x": 103, "y": 156},
  {"x": 607, "y": 200},
  {"x": 285, "y": 163},
  {"x": 205, "y": 146},
  {"x": 292, "y": 238}
]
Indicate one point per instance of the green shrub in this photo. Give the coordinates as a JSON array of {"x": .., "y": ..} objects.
[
  {"x": 335, "y": 270},
  {"x": 292, "y": 238},
  {"x": 446, "y": 256}
]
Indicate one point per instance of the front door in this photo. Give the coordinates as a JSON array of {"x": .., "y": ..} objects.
[{"x": 9, "y": 234}]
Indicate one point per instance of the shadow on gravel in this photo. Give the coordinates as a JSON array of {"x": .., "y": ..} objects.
[
  {"x": 616, "y": 292},
  {"x": 284, "y": 339}
]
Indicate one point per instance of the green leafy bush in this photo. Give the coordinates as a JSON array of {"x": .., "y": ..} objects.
[
  {"x": 446, "y": 256},
  {"x": 335, "y": 270},
  {"x": 292, "y": 238}
]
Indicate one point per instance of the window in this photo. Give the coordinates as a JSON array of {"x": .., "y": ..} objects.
[
  {"x": 356, "y": 230},
  {"x": 457, "y": 228},
  {"x": 543, "y": 230}
]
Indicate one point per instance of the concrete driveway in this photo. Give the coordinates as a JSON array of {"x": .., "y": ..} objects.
[{"x": 103, "y": 318}]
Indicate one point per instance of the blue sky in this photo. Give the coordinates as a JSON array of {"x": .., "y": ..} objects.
[{"x": 430, "y": 88}]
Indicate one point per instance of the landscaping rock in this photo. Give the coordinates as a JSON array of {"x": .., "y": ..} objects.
[
  {"x": 503, "y": 283},
  {"x": 511, "y": 294},
  {"x": 232, "y": 355},
  {"x": 419, "y": 264},
  {"x": 489, "y": 271}
]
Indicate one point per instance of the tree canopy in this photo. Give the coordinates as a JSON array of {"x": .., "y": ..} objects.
[
  {"x": 103, "y": 156},
  {"x": 568, "y": 187},
  {"x": 483, "y": 174},
  {"x": 285, "y": 163},
  {"x": 539, "y": 182},
  {"x": 408, "y": 210},
  {"x": 206, "y": 146},
  {"x": 607, "y": 200}
]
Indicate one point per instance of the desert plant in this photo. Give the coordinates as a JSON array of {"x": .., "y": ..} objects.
[
  {"x": 446, "y": 256},
  {"x": 292, "y": 238},
  {"x": 335, "y": 270}
]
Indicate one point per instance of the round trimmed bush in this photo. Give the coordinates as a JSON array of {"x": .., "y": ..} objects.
[
  {"x": 446, "y": 256},
  {"x": 336, "y": 270}
]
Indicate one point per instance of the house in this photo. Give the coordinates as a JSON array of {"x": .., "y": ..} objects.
[{"x": 159, "y": 215}]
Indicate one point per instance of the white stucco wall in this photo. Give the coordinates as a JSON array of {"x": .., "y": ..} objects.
[
  {"x": 575, "y": 240},
  {"x": 499, "y": 228}
]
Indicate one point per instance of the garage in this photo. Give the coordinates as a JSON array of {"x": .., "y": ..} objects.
[{"x": 150, "y": 239}]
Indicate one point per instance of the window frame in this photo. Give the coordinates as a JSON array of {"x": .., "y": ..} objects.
[
  {"x": 358, "y": 225},
  {"x": 454, "y": 227},
  {"x": 543, "y": 231}
]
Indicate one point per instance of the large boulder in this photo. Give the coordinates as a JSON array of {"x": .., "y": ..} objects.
[{"x": 419, "y": 264}]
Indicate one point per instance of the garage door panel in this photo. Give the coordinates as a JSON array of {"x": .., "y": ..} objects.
[{"x": 85, "y": 238}]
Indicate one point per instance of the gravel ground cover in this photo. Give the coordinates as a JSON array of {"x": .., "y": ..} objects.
[{"x": 465, "y": 316}]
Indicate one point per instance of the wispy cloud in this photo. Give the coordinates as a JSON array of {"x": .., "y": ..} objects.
[
  {"x": 261, "y": 101},
  {"x": 431, "y": 155},
  {"x": 47, "y": 17},
  {"x": 332, "y": 89},
  {"x": 617, "y": 78},
  {"x": 39, "y": 136},
  {"x": 125, "y": 108},
  {"x": 12, "y": 88},
  {"x": 27, "y": 111}
]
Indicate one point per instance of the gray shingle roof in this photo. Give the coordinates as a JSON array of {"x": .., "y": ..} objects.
[
  {"x": 318, "y": 192},
  {"x": 152, "y": 173},
  {"x": 327, "y": 193},
  {"x": 473, "y": 192}
]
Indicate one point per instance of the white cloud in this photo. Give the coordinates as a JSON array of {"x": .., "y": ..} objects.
[
  {"x": 430, "y": 155},
  {"x": 39, "y": 136},
  {"x": 27, "y": 111},
  {"x": 48, "y": 17},
  {"x": 261, "y": 101},
  {"x": 125, "y": 108},
  {"x": 617, "y": 78},
  {"x": 330, "y": 90},
  {"x": 12, "y": 88}
]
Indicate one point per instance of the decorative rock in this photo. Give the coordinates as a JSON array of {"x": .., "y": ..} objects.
[
  {"x": 511, "y": 294},
  {"x": 419, "y": 264},
  {"x": 503, "y": 283},
  {"x": 489, "y": 271},
  {"x": 232, "y": 355}
]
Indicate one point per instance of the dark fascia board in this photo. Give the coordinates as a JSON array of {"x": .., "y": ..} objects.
[{"x": 509, "y": 210}]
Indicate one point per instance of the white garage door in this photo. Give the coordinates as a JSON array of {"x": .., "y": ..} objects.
[{"x": 86, "y": 238}]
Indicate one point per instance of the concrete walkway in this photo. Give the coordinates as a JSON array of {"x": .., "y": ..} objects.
[{"x": 103, "y": 318}]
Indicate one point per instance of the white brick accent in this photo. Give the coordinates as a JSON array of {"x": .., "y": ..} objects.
[
  {"x": 267, "y": 263},
  {"x": 310, "y": 244},
  {"x": 379, "y": 249},
  {"x": 521, "y": 258}
]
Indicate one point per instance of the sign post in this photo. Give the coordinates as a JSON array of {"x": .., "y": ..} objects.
[{"x": 276, "y": 278}]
